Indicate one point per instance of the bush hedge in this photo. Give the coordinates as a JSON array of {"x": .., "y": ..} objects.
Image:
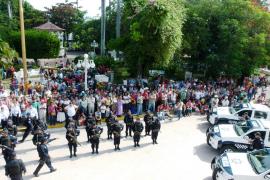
[{"x": 39, "y": 44}]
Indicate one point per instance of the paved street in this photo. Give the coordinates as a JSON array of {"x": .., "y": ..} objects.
[{"x": 181, "y": 154}]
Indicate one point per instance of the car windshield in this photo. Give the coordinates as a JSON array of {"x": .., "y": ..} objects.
[
  {"x": 260, "y": 160},
  {"x": 244, "y": 126}
]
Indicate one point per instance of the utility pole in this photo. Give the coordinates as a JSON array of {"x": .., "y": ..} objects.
[
  {"x": 23, "y": 46},
  {"x": 118, "y": 19},
  {"x": 9, "y": 10},
  {"x": 103, "y": 28}
]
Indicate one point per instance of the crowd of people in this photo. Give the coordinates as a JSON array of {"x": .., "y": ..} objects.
[{"x": 60, "y": 97}]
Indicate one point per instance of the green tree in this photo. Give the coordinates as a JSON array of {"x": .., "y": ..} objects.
[
  {"x": 67, "y": 16},
  {"x": 7, "y": 54},
  {"x": 225, "y": 37},
  {"x": 39, "y": 44},
  {"x": 152, "y": 33}
]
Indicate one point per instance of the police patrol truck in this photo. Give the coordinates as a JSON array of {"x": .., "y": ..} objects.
[
  {"x": 254, "y": 165},
  {"x": 236, "y": 137},
  {"x": 228, "y": 115}
]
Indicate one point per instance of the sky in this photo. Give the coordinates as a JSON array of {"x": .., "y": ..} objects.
[{"x": 91, "y": 6}]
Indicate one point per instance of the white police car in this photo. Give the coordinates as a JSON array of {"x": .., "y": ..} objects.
[
  {"x": 228, "y": 115},
  {"x": 242, "y": 166},
  {"x": 236, "y": 137}
]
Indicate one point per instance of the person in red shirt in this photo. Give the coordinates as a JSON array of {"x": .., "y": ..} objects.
[{"x": 145, "y": 99}]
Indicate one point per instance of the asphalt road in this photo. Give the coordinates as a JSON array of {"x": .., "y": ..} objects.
[{"x": 182, "y": 153}]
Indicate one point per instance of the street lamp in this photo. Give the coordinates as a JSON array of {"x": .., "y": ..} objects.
[{"x": 86, "y": 66}]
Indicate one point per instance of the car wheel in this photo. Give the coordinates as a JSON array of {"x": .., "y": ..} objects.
[
  {"x": 215, "y": 174},
  {"x": 227, "y": 148},
  {"x": 207, "y": 139},
  {"x": 213, "y": 162}
]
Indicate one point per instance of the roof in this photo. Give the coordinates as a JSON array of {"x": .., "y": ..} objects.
[
  {"x": 48, "y": 26},
  {"x": 260, "y": 107}
]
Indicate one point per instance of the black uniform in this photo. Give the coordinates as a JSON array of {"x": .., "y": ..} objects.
[
  {"x": 257, "y": 144},
  {"x": 94, "y": 138},
  {"x": 137, "y": 129},
  {"x": 12, "y": 129},
  {"x": 128, "y": 120},
  {"x": 148, "y": 119},
  {"x": 110, "y": 123},
  {"x": 8, "y": 143},
  {"x": 71, "y": 136},
  {"x": 14, "y": 169},
  {"x": 29, "y": 128},
  {"x": 44, "y": 157},
  {"x": 116, "y": 129},
  {"x": 88, "y": 127},
  {"x": 155, "y": 130}
]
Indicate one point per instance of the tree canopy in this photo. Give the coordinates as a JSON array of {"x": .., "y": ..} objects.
[
  {"x": 152, "y": 33},
  {"x": 226, "y": 37}
]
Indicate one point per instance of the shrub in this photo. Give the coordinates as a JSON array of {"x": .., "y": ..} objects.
[{"x": 39, "y": 44}]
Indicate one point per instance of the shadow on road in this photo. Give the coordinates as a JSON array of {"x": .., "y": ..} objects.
[
  {"x": 88, "y": 154},
  {"x": 205, "y": 153},
  {"x": 203, "y": 126},
  {"x": 207, "y": 178}
]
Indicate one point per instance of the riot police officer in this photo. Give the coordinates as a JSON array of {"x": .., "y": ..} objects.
[
  {"x": 12, "y": 129},
  {"x": 137, "y": 129},
  {"x": 15, "y": 168},
  {"x": 116, "y": 129},
  {"x": 8, "y": 144},
  {"x": 29, "y": 127},
  {"x": 94, "y": 138},
  {"x": 155, "y": 130},
  {"x": 148, "y": 119},
  {"x": 88, "y": 126},
  {"x": 71, "y": 137},
  {"x": 109, "y": 123},
  {"x": 128, "y": 120},
  {"x": 43, "y": 153}
]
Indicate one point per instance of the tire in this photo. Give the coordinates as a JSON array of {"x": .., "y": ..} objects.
[
  {"x": 207, "y": 139},
  {"x": 214, "y": 175},
  {"x": 227, "y": 148},
  {"x": 213, "y": 162}
]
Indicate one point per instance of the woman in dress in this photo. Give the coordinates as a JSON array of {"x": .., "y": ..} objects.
[
  {"x": 60, "y": 113},
  {"x": 119, "y": 111}
]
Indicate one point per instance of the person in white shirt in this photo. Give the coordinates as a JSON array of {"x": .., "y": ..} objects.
[
  {"x": 43, "y": 111},
  {"x": 3, "y": 118},
  {"x": 225, "y": 102},
  {"x": 15, "y": 112},
  {"x": 91, "y": 104},
  {"x": 103, "y": 109},
  {"x": 71, "y": 110},
  {"x": 33, "y": 112}
]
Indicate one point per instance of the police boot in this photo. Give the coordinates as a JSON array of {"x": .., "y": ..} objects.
[
  {"x": 118, "y": 147},
  {"x": 115, "y": 148},
  {"x": 135, "y": 144},
  {"x": 93, "y": 149},
  {"x": 75, "y": 155},
  {"x": 138, "y": 144}
]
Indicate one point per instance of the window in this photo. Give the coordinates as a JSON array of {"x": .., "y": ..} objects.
[
  {"x": 252, "y": 135},
  {"x": 241, "y": 113},
  {"x": 260, "y": 115}
]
